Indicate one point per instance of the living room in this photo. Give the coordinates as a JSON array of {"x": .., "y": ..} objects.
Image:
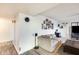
[{"x": 39, "y": 29}]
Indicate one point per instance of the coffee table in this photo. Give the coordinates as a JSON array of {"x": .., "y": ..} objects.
[{"x": 71, "y": 46}]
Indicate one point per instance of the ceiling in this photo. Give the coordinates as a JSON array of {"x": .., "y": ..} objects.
[
  {"x": 11, "y": 10},
  {"x": 52, "y": 10},
  {"x": 62, "y": 10}
]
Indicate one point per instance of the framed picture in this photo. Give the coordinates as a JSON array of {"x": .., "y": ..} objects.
[{"x": 47, "y": 24}]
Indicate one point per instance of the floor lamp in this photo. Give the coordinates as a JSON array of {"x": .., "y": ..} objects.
[{"x": 36, "y": 47}]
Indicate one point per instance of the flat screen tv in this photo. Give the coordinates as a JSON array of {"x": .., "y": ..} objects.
[{"x": 75, "y": 29}]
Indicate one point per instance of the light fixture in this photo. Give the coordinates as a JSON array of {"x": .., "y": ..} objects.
[
  {"x": 27, "y": 19},
  {"x": 13, "y": 21}
]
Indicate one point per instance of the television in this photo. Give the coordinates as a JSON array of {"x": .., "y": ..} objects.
[{"x": 75, "y": 29}]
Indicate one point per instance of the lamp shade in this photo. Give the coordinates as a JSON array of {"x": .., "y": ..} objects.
[{"x": 36, "y": 34}]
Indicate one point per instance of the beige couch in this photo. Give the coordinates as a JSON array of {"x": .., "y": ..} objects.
[{"x": 49, "y": 44}]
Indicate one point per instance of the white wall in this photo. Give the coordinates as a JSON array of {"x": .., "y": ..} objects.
[
  {"x": 24, "y": 32},
  {"x": 5, "y": 30},
  {"x": 73, "y": 18},
  {"x": 51, "y": 31}
]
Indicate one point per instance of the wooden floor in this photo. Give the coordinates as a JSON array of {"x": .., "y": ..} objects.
[
  {"x": 7, "y": 48},
  {"x": 41, "y": 51}
]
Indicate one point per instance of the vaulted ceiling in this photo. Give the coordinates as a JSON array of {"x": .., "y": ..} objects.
[
  {"x": 52, "y": 10},
  {"x": 62, "y": 10},
  {"x": 11, "y": 10}
]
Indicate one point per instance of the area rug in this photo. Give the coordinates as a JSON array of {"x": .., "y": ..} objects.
[{"x": 7, "y": 48}]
